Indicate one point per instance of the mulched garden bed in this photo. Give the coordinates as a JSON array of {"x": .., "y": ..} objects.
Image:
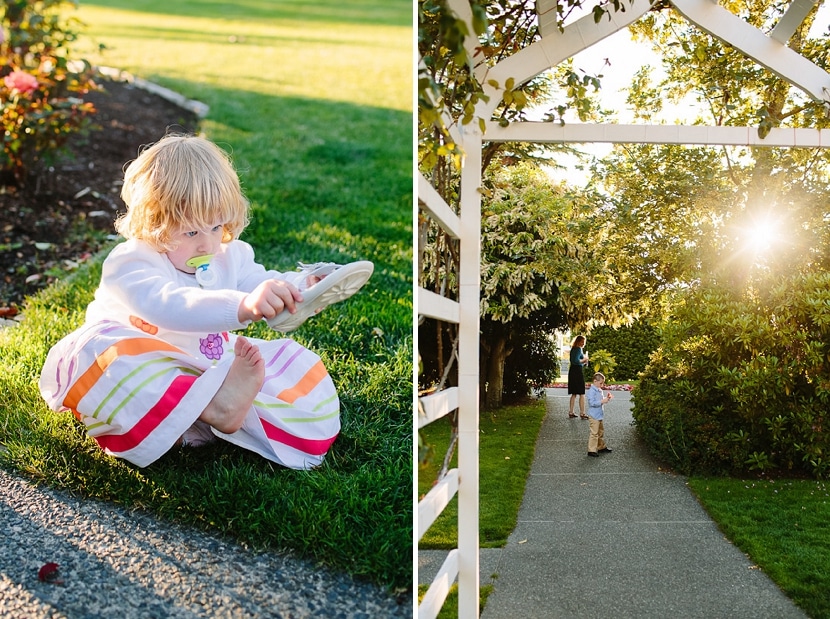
[{"x": 65, "y": 211}]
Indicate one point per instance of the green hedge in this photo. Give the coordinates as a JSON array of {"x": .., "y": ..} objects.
[
  {"x": 742, "y": 381},
  {"x": 630, "y": 346},
  {"x": 533, "y": 363}
]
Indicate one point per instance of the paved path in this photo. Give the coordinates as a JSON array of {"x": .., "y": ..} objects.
[
  {"x": 120, "y": 564},
  {"x": 615, "y": 537}
]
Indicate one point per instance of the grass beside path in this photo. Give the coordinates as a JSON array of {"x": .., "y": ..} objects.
[
  {"x": 783, "y": 525},
  {"x": 506, "y": 449},
  {"x": 507, "y": 446},
  {"x": 314, "y": 103}
]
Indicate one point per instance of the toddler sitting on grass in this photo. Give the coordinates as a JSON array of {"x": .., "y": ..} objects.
[{"x": 156, "y": 363}]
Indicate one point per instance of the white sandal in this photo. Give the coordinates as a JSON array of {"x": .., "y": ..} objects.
[{"x": 339, "y": 282}]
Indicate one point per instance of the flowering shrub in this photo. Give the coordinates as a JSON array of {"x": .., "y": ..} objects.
[
  {"x": 742, "y": 381},
  {"x": 39, "y": 108},
  {"x": 607, "y": 387},
  {"x": 20, "y": 83},
  {"x": 601, "y": 361}
]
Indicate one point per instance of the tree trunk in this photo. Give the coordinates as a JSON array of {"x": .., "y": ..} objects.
[{"x": 494, "y": 372}]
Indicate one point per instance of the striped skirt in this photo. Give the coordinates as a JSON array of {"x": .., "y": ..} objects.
[{"x": 137, "y": 395}]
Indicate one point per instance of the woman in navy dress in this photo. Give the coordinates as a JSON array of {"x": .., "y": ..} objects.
[{"x": 576, "y": 378}]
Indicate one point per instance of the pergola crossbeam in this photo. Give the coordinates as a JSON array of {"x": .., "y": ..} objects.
[
  {"x": 786, "y": 63},
  {"x": 554, "y": 47},
  {"x": 791, "y": 20},
  {"x": 550, "y": 133}
]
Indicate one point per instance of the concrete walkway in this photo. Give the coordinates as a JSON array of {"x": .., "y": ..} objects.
[{"x": 615, "y": 536}]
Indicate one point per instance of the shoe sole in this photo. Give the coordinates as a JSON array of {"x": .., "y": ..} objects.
[{"x": 338, "y": 286}]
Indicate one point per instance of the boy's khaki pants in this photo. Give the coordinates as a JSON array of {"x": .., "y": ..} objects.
[{"x": 597, "y": 439}]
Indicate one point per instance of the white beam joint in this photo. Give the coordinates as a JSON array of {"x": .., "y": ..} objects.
[
  {"x": 772, "y": 54},
  {"x": 791, "y": 20}
]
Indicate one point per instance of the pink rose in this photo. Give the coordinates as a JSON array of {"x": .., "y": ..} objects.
[{"x": 20, "y": 82}]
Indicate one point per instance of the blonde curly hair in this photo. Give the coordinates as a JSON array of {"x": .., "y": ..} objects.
[{"x": 182, "y": 182}]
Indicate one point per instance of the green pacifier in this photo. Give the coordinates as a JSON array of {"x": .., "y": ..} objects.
[
  {"x": 200, "y": 261},
  {"x": 204, "y": 276}
]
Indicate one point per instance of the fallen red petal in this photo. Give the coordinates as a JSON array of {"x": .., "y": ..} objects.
[{"x": 48, "y": 572}]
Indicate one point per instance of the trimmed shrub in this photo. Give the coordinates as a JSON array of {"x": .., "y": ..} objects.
[
  {"x": 601, "y": 361},
  {"x": 630, "y": 346},
  {"x": 742, "y": 382},
  {"x": 533, "y": 364}
]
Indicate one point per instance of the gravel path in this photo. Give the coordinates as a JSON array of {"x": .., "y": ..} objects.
[{"x": 115, "y": 563}]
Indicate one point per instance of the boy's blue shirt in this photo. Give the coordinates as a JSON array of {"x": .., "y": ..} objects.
[{"x": 594, "y": 397}]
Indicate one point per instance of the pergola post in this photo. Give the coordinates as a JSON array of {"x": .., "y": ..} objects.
[{"x": 468, "y": 383}]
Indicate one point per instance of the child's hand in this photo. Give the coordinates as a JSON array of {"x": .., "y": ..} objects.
[{"x": 269, "y": 299}]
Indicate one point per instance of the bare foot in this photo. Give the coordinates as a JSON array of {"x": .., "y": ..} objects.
[{"x": 227, "y": 410}]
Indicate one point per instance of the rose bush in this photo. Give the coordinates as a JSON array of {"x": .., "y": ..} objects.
[
  {"x": 39, "y": 91},
  {"x": 20, "y": 83}
]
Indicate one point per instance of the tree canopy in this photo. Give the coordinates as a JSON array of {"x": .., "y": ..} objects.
[{"x": 655, "y": 222}]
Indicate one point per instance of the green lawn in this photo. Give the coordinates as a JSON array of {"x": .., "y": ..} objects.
[
  {"x": 506, "y": 446},
  {"x": 314, "y": 101},
  {"x": 450, "y": 608},
  {"x": 784, "y": 527}
]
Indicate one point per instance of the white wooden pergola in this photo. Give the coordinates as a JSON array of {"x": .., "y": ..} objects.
[{"x": 767, "y": 49}]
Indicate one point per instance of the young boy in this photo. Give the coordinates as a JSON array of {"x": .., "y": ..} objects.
[{"x": 596, "y": 441}]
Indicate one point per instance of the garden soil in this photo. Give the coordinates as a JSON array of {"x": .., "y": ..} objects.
[{"x": 64, "y": 212}]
